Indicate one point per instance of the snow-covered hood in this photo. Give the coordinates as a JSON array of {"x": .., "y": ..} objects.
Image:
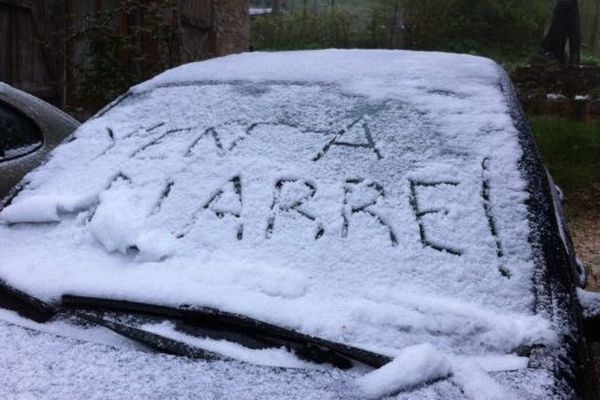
[{"x": 368, "y": 197}]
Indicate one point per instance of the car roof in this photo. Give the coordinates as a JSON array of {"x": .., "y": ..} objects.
[
  {"x": 373, "y": 198},
  {"x": 377, "y": 73}
]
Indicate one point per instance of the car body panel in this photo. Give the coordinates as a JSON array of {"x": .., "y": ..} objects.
[{"x": 54, "y": 124}]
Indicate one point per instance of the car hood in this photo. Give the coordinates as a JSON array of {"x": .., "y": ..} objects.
[{"x": 56, "y": 363}]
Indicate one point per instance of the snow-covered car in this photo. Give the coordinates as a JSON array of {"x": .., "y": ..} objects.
[
  {"x": 29, "y": 129},
  {"x": 299, "y": 225}
]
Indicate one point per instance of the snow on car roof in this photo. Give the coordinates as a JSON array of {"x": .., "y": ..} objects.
[{"x": 368, "y": 197}]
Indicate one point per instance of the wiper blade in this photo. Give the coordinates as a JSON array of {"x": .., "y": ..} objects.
[
  {"x": 196, "y": 321},
  {"x": 39, "y": 311},
  {"x": 157, "y": 342},
  {"x": 24, "y": 304},
  {"x": 305, "y": 346},
  {"x": 202, "y": 315}
]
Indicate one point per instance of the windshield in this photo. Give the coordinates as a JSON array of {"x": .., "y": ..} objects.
[{"x": 374, "y": 222}]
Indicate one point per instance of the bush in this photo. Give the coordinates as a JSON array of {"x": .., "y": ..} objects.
[
  {"x": 111, "y": 60},
  {"x": 303, "y": 31},
  {"x": 486, "y": 27}
]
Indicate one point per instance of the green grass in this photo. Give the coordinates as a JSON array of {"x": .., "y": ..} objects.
[
  {"x": 591, "y": 58},
  {"x": 571, "y": 150}
]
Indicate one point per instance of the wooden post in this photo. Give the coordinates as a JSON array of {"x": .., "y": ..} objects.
[{"x": 595, "y": 26}]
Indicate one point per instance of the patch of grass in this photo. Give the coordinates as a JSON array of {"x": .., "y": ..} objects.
[
  {"x": 591, "y": 58},
  {"x": 570, "y": 149}
]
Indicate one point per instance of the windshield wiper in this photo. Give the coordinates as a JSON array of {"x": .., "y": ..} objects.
[
  {"x": 152, "y": 340},
  {"x": 205, "y": 321},
  {"x": 195, "y": 321},
  {"x": 24, "y": 304}
]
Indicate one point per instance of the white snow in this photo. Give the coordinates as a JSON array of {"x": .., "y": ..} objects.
[
  {"x": 65, "y": 328},
  {"x": 38, "y": 365},
  {"x": 338, "y": 193},
  {"x": 413, "y": 366},
  {"x": 420, "y": 364},
  {"x": 508, "y": 362},
  {"x": 477, "y": 384},
  {"x": 266, "y": 357},
  {"x": 35, "y": 209},
  {"x": 590, "y": 303}
]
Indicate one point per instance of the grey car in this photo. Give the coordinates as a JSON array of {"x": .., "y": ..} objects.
[{"x": 29, "y": 129}]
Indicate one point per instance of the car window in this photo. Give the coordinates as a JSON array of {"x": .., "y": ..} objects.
[{"x": 19, "y": 135}]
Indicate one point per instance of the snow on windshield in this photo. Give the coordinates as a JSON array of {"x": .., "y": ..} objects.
[{"x": 381, "y": 208}]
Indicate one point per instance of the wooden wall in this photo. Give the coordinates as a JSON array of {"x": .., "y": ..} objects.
[
  {"x": 28, "y": 57},
  {"x": 196, "y": 29},
  {"x": 36, "y": 57}
]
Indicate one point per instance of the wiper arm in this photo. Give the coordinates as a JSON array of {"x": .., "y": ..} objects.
[
  {"x": 198, "y": 321},
  {"x": 42, "y": 312},
  {"x": 305, "y": 346},
  {"x": 152, "y": 340}
]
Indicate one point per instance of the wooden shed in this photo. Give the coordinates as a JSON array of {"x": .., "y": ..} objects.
[
  {"x": 27, "y": 59},
  {"x": 42, "y": 48}
]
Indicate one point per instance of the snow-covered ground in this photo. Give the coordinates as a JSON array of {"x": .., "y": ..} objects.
[{"x": 368, "y": 197}]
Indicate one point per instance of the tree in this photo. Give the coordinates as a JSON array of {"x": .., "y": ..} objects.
[
  {"x": 565, "y": 28},
  {"x": 488, "y": 27}
]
